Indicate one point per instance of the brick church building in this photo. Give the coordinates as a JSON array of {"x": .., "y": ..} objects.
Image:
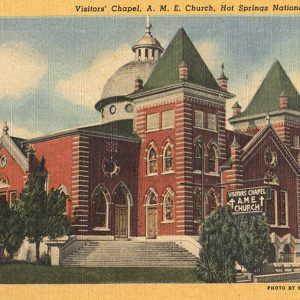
[{"x": 161, "y": 158}]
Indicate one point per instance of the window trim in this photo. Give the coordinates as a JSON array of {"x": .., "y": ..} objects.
[
  {"x": 170, "y": 192},
  {"x": 276, "y": 225},
  {"x": 171, "y": 170},
  {"x": 148, "y": 173},
  {"x": 158, "y": 122},
  {"x": 162, "y": 118}
]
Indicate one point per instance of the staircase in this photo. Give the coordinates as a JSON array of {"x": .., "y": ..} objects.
[
  {"x": 130, "y": 254},
  {"x": 241, "y": 278}
]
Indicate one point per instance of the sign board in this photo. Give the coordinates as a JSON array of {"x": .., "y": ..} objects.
[{"x": 250, "y": 200}]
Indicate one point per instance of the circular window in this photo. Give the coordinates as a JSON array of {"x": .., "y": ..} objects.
[
  {"x": 270, "y": 158},
  {"x": 102, "y": 113},
  {"x": 129, "y": 108},
  {"x": 112, "y": 109},
  {"x": 110, "y": 167},
  {"x": 3, "y": 161}
]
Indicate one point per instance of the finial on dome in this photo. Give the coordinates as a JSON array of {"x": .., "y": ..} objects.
[
  {"x": 148, "y": 26},
  {"x": 5, "y": 128}
]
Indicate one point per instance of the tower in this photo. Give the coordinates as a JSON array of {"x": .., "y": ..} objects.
[{"x": 180, "y": 117}]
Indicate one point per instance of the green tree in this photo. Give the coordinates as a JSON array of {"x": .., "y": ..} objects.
[
  {"x": 220, "y": 244},
  {"x": 255, "y": 242},
  {"x": 4, "y": 218},
  {"x": 43, "y": 215},
  {"x": 15, "y": 231}
]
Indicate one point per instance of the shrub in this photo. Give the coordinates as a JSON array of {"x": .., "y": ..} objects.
[{"x": 45, "y": 259}]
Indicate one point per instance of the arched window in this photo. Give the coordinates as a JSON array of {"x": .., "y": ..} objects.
[
  {"x": 120, "y": 197},
  {"x": 152, "y": 161},
  {"x": 212, "y": 160},
  {"x": 140, "y": 53},
  {"x": 152, "y": 199},
  {"x": 212, "y": 200},
  {"x": 153, "y": 53},
  {"x": 146, "y": 53},
  {"x": 198, "y": 158},
  {"x": 101, "y": 210},
  {"x": 168, "y": 158},
  {"x": 198, "y": 205},
  {"x": 168, "y": 206}
]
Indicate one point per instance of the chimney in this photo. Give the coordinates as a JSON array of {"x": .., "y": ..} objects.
[
  {"x": 283, "y": 101},
  {"x": 30, "y": 158},
  {"x": 183, "y": 71},
  {"x": 222, "y": 80},
  {"x": 236, "y": 109},
  {"x": 138, "y": 84}
]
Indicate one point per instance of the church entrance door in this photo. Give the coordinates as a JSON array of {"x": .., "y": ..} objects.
[
  {"x": 151, "y": 222},
  {"x": 121, "y": 222}
]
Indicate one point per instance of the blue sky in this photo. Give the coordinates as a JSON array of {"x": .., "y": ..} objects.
[{"x": 53, "y": 69}]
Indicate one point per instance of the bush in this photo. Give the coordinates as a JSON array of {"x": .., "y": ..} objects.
[
  {"x": 207, "y": 269},
  {"x": 219, "y": 245},
  {"x": 45, "y": 259},
  {"x": 255, "y": 243}
]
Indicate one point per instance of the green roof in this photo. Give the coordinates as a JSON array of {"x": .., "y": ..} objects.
[
  {"x": 181, "y": 49},
  {"x": 119, "y": 128},
  {"x": 266, "y": 98}
]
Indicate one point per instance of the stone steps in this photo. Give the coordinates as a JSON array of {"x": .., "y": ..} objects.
[{"x": 131, "y": 254}]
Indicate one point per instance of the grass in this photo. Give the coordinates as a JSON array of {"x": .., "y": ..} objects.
[{"x": 19, "y": 273}]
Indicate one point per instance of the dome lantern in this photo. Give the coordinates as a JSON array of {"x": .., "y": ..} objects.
[{"x": 147, "y": 47}]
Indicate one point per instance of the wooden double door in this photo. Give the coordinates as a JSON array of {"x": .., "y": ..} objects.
[
  {"x": 121, "y": 222},
  {"x": 151, "y": 223}
]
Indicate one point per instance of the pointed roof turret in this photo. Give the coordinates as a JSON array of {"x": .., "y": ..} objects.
[
  {"x": 181, "y": 49},
  {"x": 222, "y": 75},
  {"x": 236, "y": 105},
  {"x": 266, "y": 97}
]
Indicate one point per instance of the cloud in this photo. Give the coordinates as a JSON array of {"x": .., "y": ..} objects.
[
  {"x": 85, "y": 87},
  {"x": 22, "y": 132},
  {"x": 22, "y": 67}
]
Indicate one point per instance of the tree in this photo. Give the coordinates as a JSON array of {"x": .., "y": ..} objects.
[
  {"x": 220, "y": 243},
  {"x": 255, "y": 242},
  {"x": 4, "y": 217},
  {"x": 43, "y": 215},
  {"x": 15, "y": 231}
]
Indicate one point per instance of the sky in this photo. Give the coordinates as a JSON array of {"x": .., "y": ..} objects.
[{"x": 53, "y": 69}]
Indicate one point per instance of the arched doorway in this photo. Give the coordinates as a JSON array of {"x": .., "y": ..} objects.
[
  {"x": 121, "y": 201},
  {"x": 287, "y": 254},
  {"x": 151, "y": 216},
  {"x": 272, "y": 254}
]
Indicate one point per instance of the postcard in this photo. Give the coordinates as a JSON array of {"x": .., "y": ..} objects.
[{"x": 150, "y": 150}]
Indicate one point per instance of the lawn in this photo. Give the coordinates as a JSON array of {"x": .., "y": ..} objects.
[{"x": 31, "y": 273}]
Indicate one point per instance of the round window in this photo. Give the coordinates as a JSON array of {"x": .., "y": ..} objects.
[
  {"x": 110, "y": 167},
  {"x": 3, "y": 161},
  {"x": 112, "y": 109},
  {"x": 129, "y": 108},
  {"x": 102, "y": 113}
]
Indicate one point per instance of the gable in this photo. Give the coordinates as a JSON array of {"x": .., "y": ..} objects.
[
  {"x": 261, "y": 141},
  {"x": 13, "y": 149}
]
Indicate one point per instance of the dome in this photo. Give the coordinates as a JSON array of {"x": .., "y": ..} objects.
[
  {"x": 113, "y": 104},
  {"x": 122, "y": 82},
  {"x": 147, "y": 41}
]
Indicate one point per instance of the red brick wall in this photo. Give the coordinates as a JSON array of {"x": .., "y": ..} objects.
[{"x": 13, "y": 173}]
